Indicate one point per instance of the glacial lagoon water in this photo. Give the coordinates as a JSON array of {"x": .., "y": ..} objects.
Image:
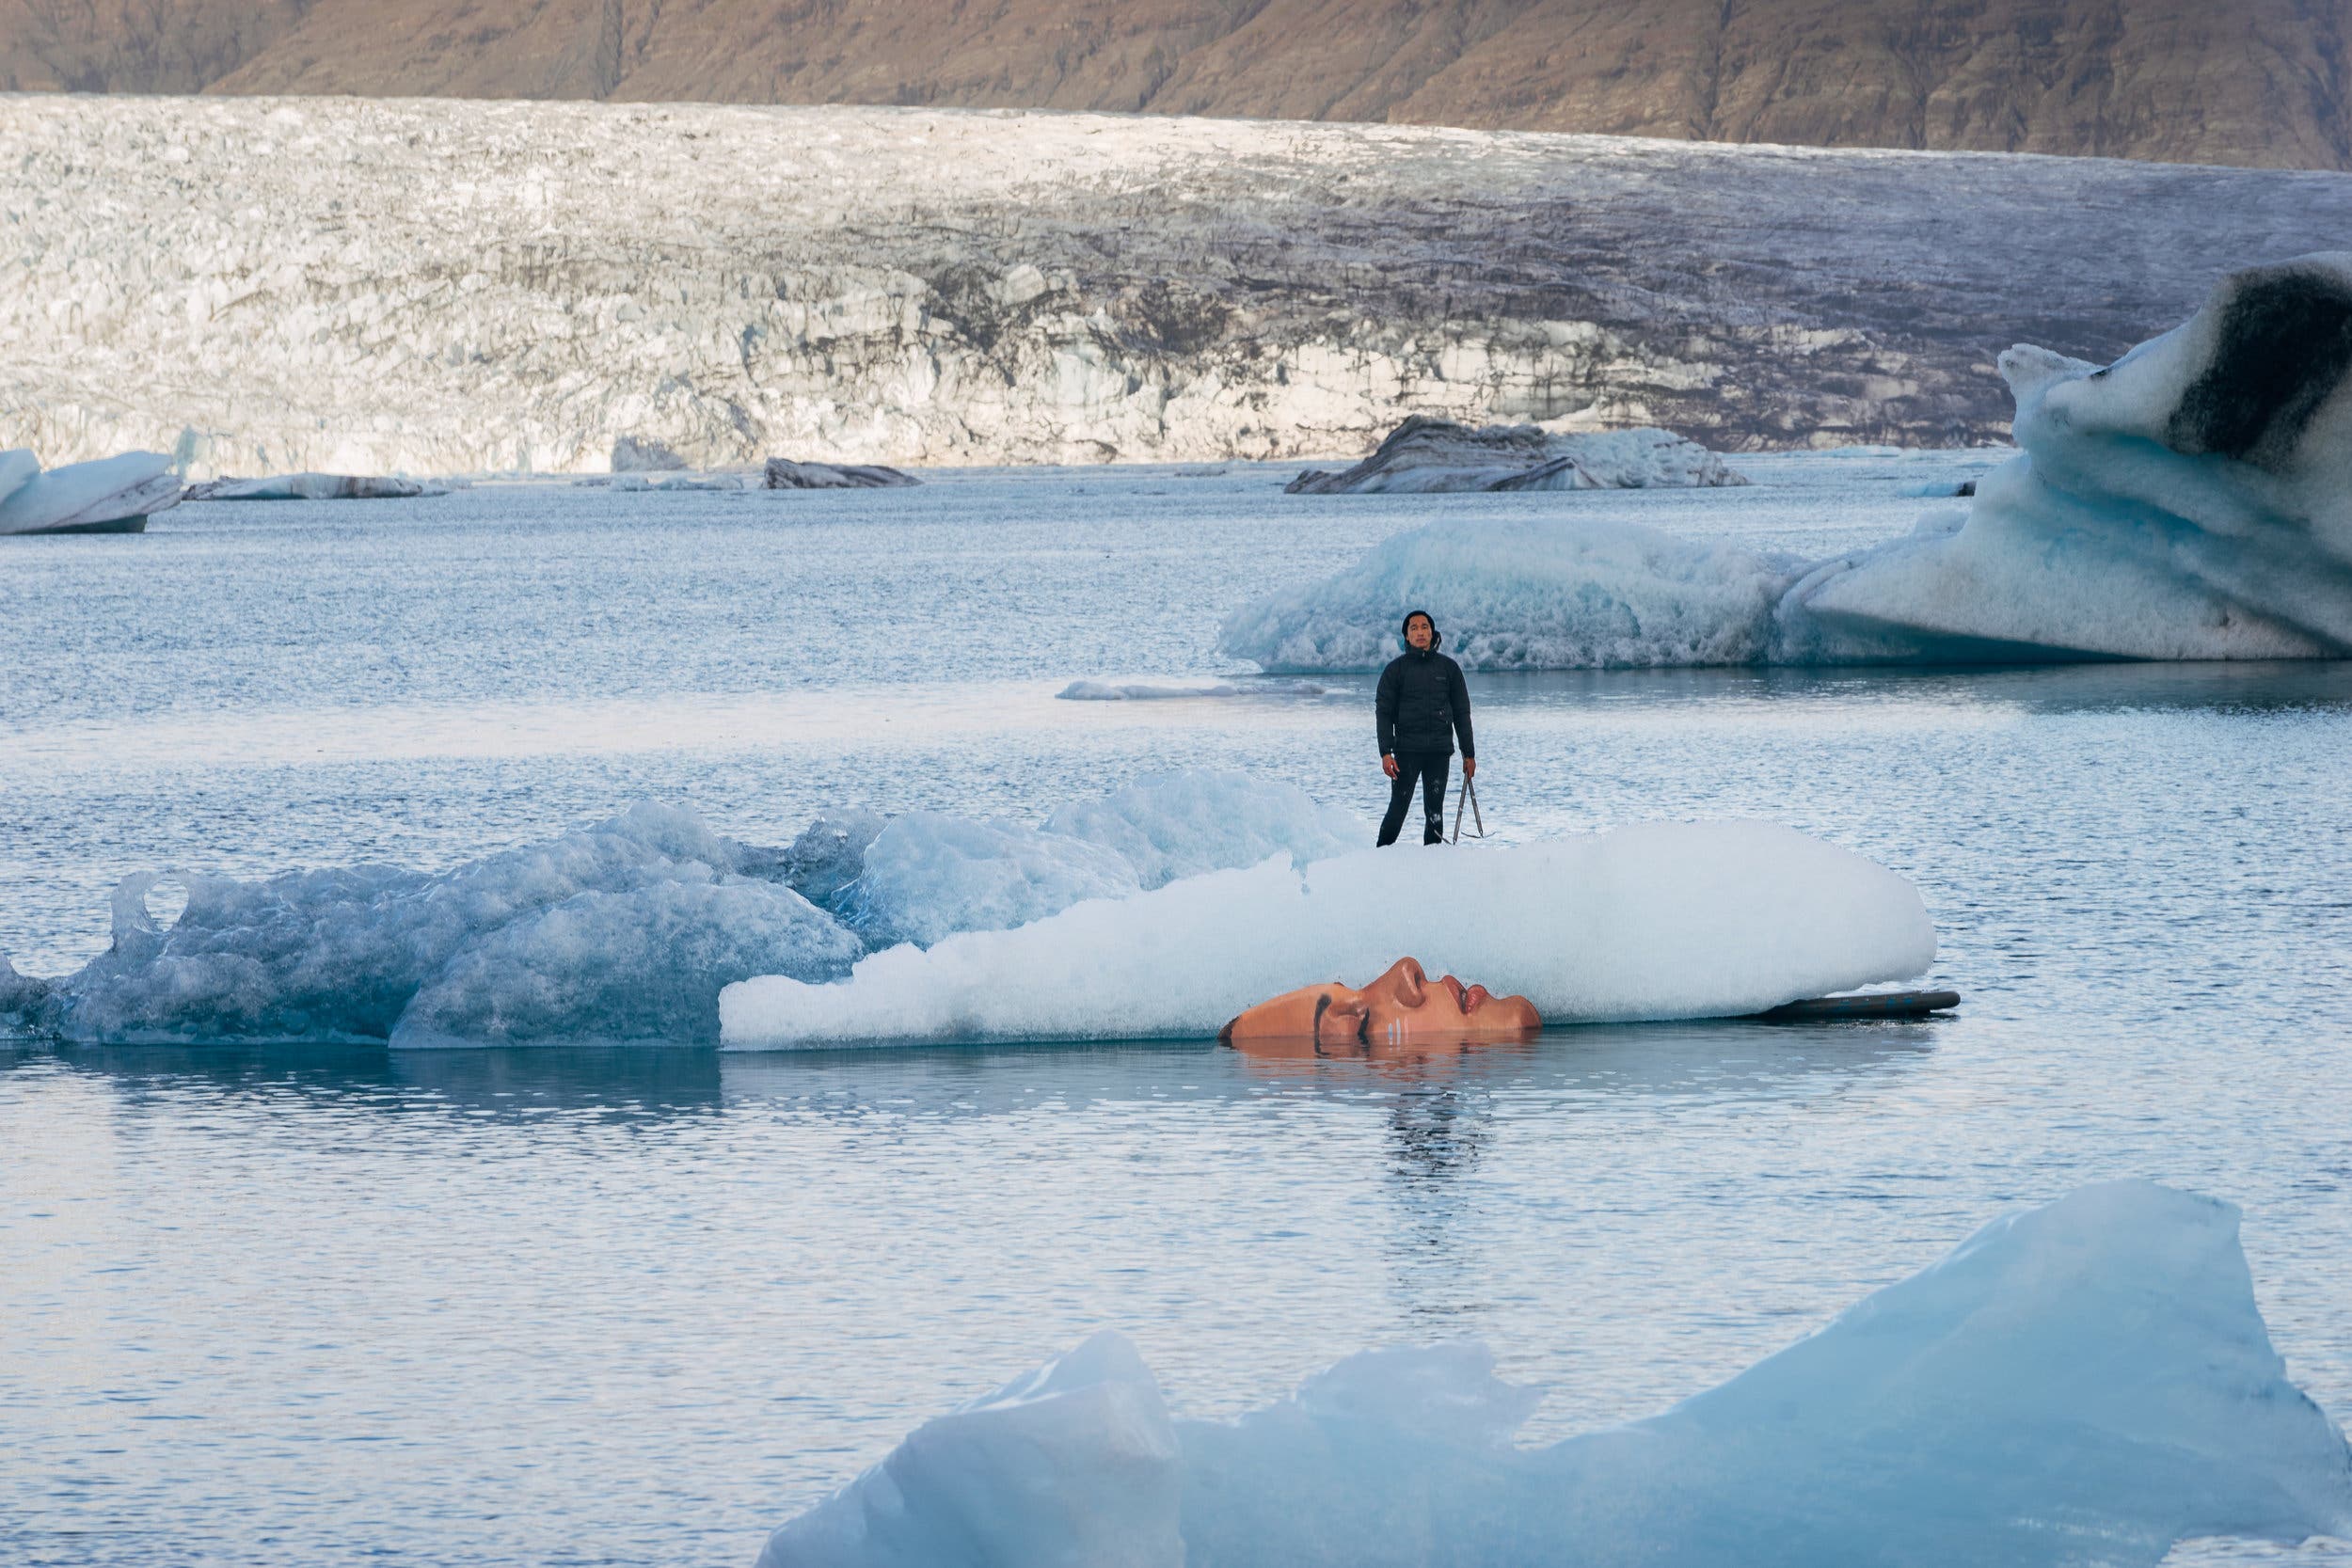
[{"x": 577, "y": 1305}]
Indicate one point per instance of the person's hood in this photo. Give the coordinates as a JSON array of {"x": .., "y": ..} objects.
[{"x": 1437, "y": 638}]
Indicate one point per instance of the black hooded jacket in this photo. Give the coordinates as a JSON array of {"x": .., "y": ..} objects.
[{"x": 1423, "y": 702}]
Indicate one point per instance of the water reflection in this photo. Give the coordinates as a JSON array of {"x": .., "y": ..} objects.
[{"x": 1433, "y": 1102}]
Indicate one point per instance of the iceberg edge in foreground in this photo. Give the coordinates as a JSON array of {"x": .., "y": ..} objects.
[
  {"x": 1655, "y": 921},
  {"x": 2088, "y": 1381}
]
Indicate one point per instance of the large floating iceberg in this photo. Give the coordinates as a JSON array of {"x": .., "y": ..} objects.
[
  {"x": 622, "y": 931},
  {"x": 1425, "y": 456},
  {"x": 2089, "y": 1382},
  {"x": 1660, "y": 921},
  {"x": 112, "y": 495},
  {"x": 627, "y": 930},
  {"x": 310, "y": 488},
  {"x": 2191, "y": 500}
]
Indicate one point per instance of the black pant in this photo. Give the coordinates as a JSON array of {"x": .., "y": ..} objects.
[{"x": 1430, "y": 768}]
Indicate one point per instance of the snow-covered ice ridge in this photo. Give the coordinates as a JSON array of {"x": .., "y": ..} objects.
[
  {"x": 1162, "y": 907},
  {"x": 452, "y": 286},
  {"x": 2191, "y": 500},
  {"x": 2089, "y": 1382}
]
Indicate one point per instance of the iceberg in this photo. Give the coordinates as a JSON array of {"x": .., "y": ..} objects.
[
  {"x": 2087, "y": 1381},
  {"x": 2192, "y": 500},
  {"x": 1658, "y": 921},
  {"x": 622, "y": 931},
  {"x": 1426, "y": 456},
  {"x": 929, "y": 874},
  {"x": 111, "y": 495},
  {"x": 785, "y": 474},
  {"x": 310, "y": 488},
  {"x": 1525, "y": 594},
  {"x": 629, "y": 929}
]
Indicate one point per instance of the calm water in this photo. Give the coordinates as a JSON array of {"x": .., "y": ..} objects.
[{"x": 294, "y": 1306}]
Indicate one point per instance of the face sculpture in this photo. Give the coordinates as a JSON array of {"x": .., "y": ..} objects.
[{"x": 1403, "y": 1010}]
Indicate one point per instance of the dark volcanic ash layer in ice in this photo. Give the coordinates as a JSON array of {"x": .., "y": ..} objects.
[
  {"x": 2191, "y": 500},
  {"x": 386, "y": 287},
  {"x": 1426, "y": 456}
]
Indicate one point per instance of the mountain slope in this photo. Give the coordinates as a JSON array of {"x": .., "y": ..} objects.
[{"x": 2260, "y": 82}]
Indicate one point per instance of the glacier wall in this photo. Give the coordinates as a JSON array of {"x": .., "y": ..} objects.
[
  {"x": 2088, "y": 1381},
  {"x": 377, "y": 287}
]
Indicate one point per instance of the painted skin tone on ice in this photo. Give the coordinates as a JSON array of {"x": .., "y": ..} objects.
[{"x": 1403, "y": 1011}]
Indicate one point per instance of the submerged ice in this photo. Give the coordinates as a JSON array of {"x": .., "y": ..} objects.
[
  {"x": 1660, "y": 921},
  {"x": 2089, "y": 1382},
  {"x": 2191, "y": 500}
]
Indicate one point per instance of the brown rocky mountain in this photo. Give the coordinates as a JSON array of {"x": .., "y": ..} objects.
[{"x": 2258, "y": 81}]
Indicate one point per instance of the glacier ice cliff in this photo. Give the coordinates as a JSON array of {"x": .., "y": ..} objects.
[
  {"x": 1656, "y": 921},
  {"x": 349, "y": 286},
  {"x": 2084, "y": 1382},
  {"x": 2193, "y": 500}
]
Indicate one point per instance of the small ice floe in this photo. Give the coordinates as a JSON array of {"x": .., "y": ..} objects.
[
  {"x": 2088, "y": 1381},
  {"x": 1149, "y": 692},
  {"x": 112, "y": 495},
  {"x": 785, "y": 474},
  {"x": 1426, "y": 456},
  {"x": 312, "y": 488}
]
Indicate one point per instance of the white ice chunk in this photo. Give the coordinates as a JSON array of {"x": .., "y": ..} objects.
[
  {"x": 928, "y": 875},
  {"x": 1525, "y": 594},
  {"x": 1658, "y": 921},
  {"x": 1180, "y": 824},
  {"x": 2089, "y": 1382},
  {"x": 90, "y": 497}
]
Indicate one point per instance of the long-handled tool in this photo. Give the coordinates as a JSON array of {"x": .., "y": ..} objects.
[{"x": 1469, "y": 797}]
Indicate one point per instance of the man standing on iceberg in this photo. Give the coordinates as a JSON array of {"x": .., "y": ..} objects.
[{"x": 1422, "y": 704}]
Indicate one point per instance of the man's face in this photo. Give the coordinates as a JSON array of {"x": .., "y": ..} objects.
[{"x": 1419, "y": 632}]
